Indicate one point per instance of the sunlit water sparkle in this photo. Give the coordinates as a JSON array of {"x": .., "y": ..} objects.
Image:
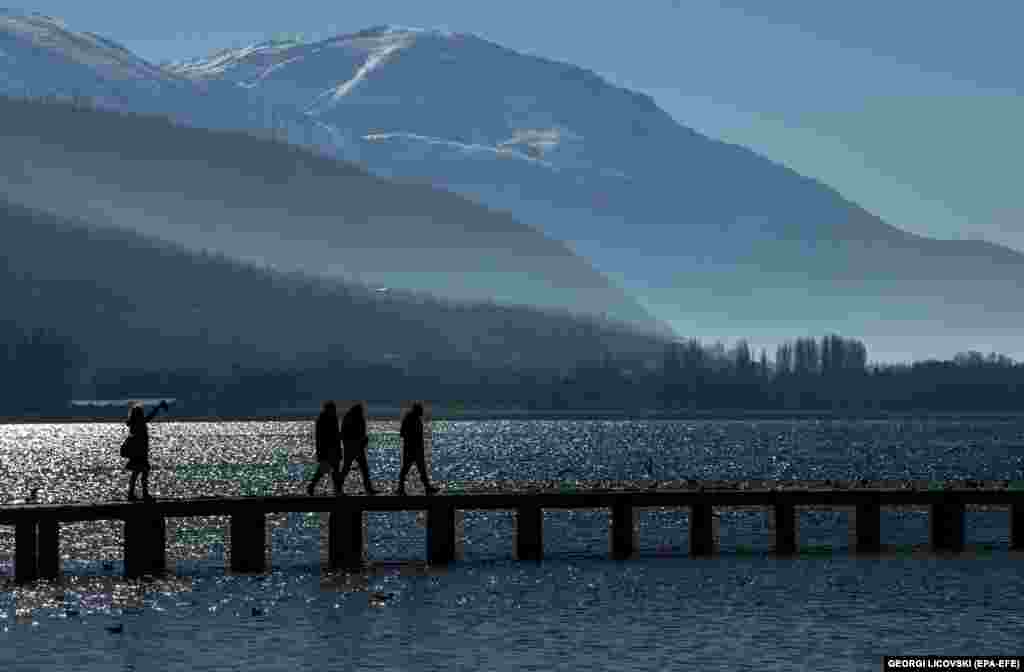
[{"x": 578, "y": 609}]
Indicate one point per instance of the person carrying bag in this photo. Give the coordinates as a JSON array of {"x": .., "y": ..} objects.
[{"x": 136, "y": 448}]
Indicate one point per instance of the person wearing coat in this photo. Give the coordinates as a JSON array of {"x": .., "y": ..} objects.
[
  {"x": 328, "y": 448},
  {"x": 355, "y": 439},
  {"x": 136, "y": 448},
  {"x": 413, "y": 449}
]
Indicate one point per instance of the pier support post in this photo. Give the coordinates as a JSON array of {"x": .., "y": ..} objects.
[
  {"x": 345, "y": 538},
  {"x": 1017, "y": 527},
  {"x": 868, "y": 522},
  {"x": 25, "y": 558},
  {"x": 48, "y": 549},
  {"x": 529, "y": 533},
  {"x": 946, "y": 521},
  {"x": 702, "y": 530},
  {"x": 145, "y": 550},
  {"x": 248, "y": 542},
  {"x": 785, "y": 528},
  {"x": 440, "y": 533},
  {"x": 623, "y": 528}
]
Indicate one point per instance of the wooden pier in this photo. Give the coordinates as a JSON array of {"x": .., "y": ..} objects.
[{"x": 37, "y": 526}]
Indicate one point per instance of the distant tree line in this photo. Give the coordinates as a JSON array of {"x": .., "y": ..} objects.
[
  {"x": 41, "y": 373},
  {"x": 830, "y": 374},
  {"x": 833, "y": 375}
]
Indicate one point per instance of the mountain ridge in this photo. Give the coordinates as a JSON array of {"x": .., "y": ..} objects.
[
  {"x": 695, "y": 228},
  {"x": 261, "y": 200},
  {"x": 122, "y": 296},
  {"x": 685, "y": 199}
]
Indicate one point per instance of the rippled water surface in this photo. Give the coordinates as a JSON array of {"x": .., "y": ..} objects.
[{"x": 576, "y": 610}]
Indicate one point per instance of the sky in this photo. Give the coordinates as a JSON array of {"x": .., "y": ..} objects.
[{"x": 910, "y": 109}]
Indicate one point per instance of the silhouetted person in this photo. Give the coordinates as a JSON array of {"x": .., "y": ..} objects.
[
  {"x": 413, "y": 450},
  {"x": 328, "y": 447},
  {"x": 138, "y": 448},
  {"x": 355, "y": 440}
]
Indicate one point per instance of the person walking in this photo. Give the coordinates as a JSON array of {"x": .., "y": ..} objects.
[
  {"x": 328, "y": 448},
  {"x": 355, "y": 439},
  {"x": 136, "y": 448},
  {"x": 413, "y": 449}
]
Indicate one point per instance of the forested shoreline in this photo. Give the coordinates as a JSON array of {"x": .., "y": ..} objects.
[{"x": 43, "y": 372}]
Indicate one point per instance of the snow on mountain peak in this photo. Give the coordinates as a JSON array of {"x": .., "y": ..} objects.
[
  {"x": 354, "y": 87},
  {"x": 361, "y": 81},
  {"x": 387, "y": 33},
  {"x": 375, "y": 59},
  {"x": 538, "y": 141},
  {"x": 393, "y": 29},
  {"x": 44, "y": 34},
  {"x": 412, "y": 140},
  {"x": 31, "y": 16}
]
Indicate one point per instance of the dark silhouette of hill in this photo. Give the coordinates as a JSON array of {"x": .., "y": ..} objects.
[
  {"x": 128, "y": 301},
  {"x": 286, "y": 207}
]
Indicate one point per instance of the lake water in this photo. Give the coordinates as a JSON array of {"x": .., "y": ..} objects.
[{"x": 742, "y": 609}]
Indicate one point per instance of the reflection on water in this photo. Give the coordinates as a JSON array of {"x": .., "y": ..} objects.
[
  {"x": 661, "y": 610},
  {"x": 827, "y": 613}
]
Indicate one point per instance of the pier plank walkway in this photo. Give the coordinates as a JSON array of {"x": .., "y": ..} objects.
[{"x": 38, "y": 525}]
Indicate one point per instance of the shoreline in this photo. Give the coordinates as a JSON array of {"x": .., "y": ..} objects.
[{"x": 380, "y": 413}]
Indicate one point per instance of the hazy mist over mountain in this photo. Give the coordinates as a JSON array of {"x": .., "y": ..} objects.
[
  {"x": 709, "y": 237},
  {"x": 131, "y": 301},
  {"x": 286, "y": 208}
]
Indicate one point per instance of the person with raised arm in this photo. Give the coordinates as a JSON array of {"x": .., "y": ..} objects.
[{"x": 136, "y": 448}]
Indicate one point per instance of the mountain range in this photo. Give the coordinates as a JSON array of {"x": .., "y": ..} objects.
[
  {"x": 709, "y": 237},
  {"x": 286, "y": 208},
  {"x": 132, "y": 302}
]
